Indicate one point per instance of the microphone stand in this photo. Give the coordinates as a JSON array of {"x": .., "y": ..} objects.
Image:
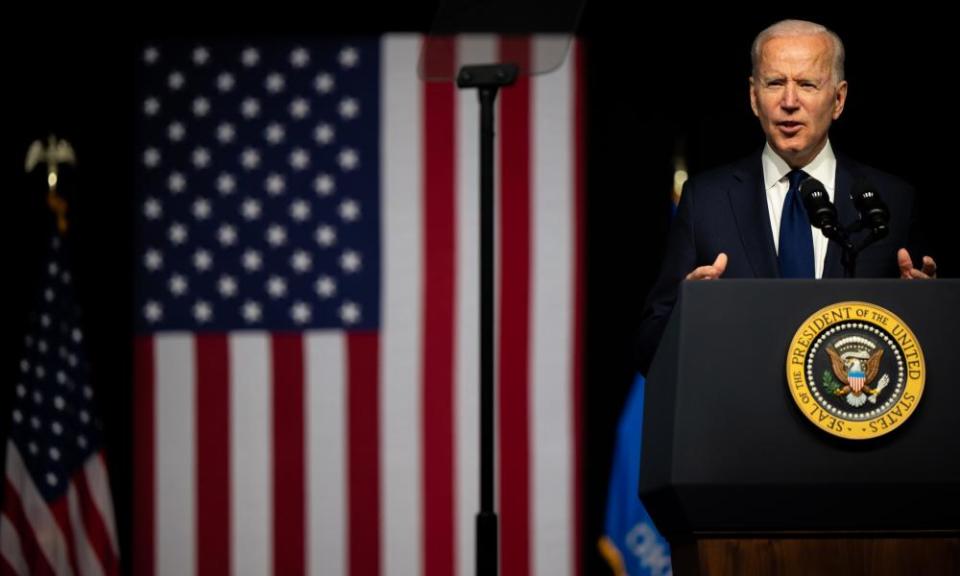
[
  {"x": 487, "y": 79},
  {"x": 850, "y": 250},
  {"x": 823, "y": 215}
]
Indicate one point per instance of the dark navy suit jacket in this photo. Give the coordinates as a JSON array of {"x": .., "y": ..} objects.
[{"x": 725, "y": 210}]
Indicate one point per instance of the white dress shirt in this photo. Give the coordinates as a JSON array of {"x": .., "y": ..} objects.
[{"x": 776, "y": 185}]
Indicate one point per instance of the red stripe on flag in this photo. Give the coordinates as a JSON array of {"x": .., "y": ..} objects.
[
  {"x": 6, "y": 568},
  {"x": 96, "y": 528},
  {"x": 363, "y": 413},
  {"x": 579, "y": 298},
  {"x": 514, "y": 393},
  {"x": 61, "y": 515},
  {"x": 439, "y": 301},
  {"x": 144, "y": 485},
  {"x": 289, "y": 467},
  {"x": 213, "y": 454},
  {"x": 32, "y": 554}
]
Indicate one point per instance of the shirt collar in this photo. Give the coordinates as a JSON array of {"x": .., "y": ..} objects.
[{"x": 823, "y": 167}]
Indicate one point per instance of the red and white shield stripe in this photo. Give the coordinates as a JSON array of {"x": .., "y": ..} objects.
[{"x": 857, "y": 380}]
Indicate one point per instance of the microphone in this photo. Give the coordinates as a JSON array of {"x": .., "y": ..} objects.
[
  {"x": 821, "y": 212},
  {"x": 874, "y": 213}
]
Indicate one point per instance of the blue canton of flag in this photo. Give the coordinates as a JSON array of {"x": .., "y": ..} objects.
[
  {"x": 259, "y": 185},
  {"x": 53, "y": 417}
]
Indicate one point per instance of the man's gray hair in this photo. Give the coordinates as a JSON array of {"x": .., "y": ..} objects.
[{"x": 792, "y": 28}]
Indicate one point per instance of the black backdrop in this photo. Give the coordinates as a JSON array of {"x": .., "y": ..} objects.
[{"x": 655, "y": 85}]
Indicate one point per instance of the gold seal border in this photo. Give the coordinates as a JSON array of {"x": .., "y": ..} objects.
[{"x": 864, "y": 313}]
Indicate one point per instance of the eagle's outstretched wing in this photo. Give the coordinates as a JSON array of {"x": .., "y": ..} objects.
[
  {"x": 34, "y": 155},
  {"x": 839, "y": 370},
  {"x": 64, "y": 153},
  {"x": 873, "y": 365}
]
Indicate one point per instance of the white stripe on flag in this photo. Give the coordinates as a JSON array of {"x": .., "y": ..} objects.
[
  {"x": 87, "y": 562},
  {"x": 251, "y": 462},
  {"x": 552, "y": 313},
  {"x": 467, "y": 362},
  {"x": 10, "y": 546},
  {"x": 176, "y": 454},
  {"x": 49, "y": 537},
  {"x": 326, "y": 453},
  {"x": 400, "y": 371},
  {"x": 99, "y": 483}
]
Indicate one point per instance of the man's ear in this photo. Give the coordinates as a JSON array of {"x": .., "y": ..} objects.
[
  {"x": 840, "y": 99},
  {"x": 753, "y": 96}
]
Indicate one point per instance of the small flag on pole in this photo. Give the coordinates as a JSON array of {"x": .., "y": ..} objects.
[{"x": 57, "y": 515}]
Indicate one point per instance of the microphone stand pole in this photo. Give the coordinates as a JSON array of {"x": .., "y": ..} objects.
[
  {"x": 850, "y": 251},
  {"x": 488, "y": 79}
]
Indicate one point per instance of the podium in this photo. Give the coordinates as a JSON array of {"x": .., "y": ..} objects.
[{"x": 739, "y": 478}]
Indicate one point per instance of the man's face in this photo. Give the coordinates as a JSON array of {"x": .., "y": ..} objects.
[{"x": 794, "y": 95}]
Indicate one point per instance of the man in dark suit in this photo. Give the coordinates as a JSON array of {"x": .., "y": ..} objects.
[{"x": 746, "y": 220}]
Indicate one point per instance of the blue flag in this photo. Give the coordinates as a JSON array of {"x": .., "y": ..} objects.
[{"x": 631, "y": 544}]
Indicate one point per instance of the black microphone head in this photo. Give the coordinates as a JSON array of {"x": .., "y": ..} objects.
[
  {"x": 822, "y": 212},
  {"x": 873, "y": 211}
]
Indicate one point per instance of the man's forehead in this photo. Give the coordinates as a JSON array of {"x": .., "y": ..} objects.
[
  {"x": 814, "y": 48},
  {"x": 795, "y": 59}
]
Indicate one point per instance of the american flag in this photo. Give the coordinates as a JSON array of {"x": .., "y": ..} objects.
[
  {"x": 57, "y": 508},
  {"x": 307, "y": 304}
]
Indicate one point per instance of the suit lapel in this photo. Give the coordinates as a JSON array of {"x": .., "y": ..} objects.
[
  {"x": 846, "y": 214},
  {"x": 749, "y": 202}
]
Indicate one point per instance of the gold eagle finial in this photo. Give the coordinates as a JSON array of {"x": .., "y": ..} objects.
[{"x": 56, "y": 152}]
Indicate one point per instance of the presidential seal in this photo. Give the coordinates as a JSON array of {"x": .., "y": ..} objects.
[{"x": 855, "y": 370}]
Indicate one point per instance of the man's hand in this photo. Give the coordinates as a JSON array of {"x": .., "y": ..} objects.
[
  {"x": 711, "y": 272},
  {"x": 909, "y": 272}
]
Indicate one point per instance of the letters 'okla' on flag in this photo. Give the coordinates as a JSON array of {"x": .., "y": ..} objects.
[
  {"x": 57, "y": 507},
  {"x": 307, "y": 309}
]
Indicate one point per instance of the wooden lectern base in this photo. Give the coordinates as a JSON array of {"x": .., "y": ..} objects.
[{"x": 863, "y": 556}]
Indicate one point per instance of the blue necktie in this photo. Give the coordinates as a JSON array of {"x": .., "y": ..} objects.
[{"x": 796, "y": 241}]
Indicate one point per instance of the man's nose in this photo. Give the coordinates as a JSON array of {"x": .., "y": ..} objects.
[{"x": 790, "y": 99}]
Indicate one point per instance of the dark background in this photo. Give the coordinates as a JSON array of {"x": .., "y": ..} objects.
[{"x": 656, "y": 86}]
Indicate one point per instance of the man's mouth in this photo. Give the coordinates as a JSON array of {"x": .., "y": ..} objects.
[{"x": 789, "y": 128}]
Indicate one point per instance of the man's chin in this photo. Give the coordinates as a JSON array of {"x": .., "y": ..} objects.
[{"x": 789, "y": 152}]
